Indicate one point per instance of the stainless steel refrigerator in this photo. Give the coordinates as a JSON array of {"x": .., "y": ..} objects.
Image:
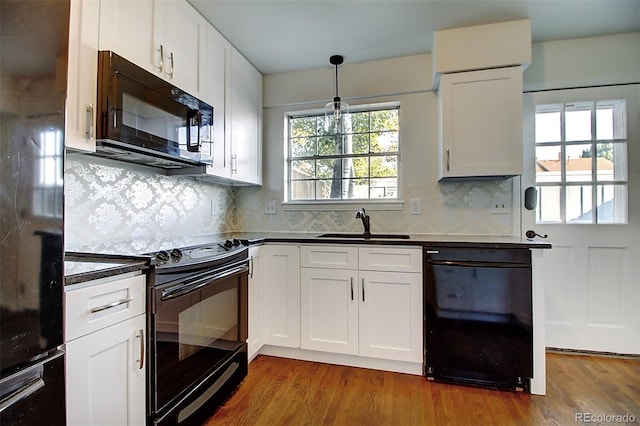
[{"x": 34, "y": 38}]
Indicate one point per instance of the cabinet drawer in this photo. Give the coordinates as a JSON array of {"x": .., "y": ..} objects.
[
  {"x": 94, "y": 307},
  {"x": 331, "y": 257},
  {"x": 390, "y": 259}
]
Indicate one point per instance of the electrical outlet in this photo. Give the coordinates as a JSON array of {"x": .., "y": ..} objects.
[
  {"x": 415, "y": 206},
  {"x": 270, "y": 207},
  {"x": 500, "y": 206}
]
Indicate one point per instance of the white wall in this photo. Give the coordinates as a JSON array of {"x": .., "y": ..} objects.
[{"x": 452, "y": 208}]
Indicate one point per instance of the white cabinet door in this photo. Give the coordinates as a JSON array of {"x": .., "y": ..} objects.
[
  {"x": 256, "y": 303},
  {"x": 281, "y": 271},
  {"x": 217, "y": 61},
  {"x": 391, "y": 315},
  {"x": 106, "y": 382},
  {"x": 82, "y": 75},
  {"x": 245, "y": 120},
  {"x": 481, "y": 123},
  {"x": 126, "y": 27},
  {"x": 329, "y": 310},
  {"x": 182, "y": 32}
]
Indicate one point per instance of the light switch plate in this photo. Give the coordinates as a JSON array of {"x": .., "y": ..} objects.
[
  {"x": 270, "y": 207},
  {"x": 415, "y": 206}
]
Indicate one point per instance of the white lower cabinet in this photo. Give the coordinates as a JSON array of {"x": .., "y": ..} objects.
[
  {"x": 256, "y": 304},
  {"x": 358, "y": 309},
  {"x": 105, "y": 352},
  {"x": 280, "y": 279}
]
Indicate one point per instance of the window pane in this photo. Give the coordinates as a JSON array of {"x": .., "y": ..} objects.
[
  {"x": 612, "y": 200},
  {"x": 384, "y": 188},
  {"x": 547, "y": 125},
  {"x": 303, "y": 147},
  {"x": 548, "y": 204},
  {"x": 384, "y": 166},
  {"x": 355, "y": 188},
  {"x": 303, "y": 190},
  {"x": 384, "y": 120},
  {"x": 548, "y": 165},
  {"x": 303, "y": 169},
  {"x": 384, "y": 142},
  {"x": 578, "y": 122},
  {"x": 327, "y": 169},
  {"x": 302, "y": 126},
  {"x": 579, "y": 205},
  {"x": 361, "y": 167},
  {"x": 326, "y": 189},
  {"x": 360, "y": 122},
  {"x": 360, "y": 144},
  {"x": 578, "y": 163},
  {"x": 610, "y": 120},
  {"x": 327, "y": 145}
]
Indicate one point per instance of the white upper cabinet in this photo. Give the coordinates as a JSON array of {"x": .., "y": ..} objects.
[
  {"x": 82, "y": 75},
  {"x": 245, "y": 120},
  {"x": 164, "y": 37},
  {"x": 217, "y": 60},
  {"x": 481, "y": 123},
  {"x": 181, "y": 33},
  {"x": 126, "y": 27}
]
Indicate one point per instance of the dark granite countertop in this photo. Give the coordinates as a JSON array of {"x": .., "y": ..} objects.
[{"x": 82, "y": 267}]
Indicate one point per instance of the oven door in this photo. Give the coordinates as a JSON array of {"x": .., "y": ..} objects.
[{"x": 198, "y": 323}]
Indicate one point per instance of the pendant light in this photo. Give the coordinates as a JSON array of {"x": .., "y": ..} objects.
[{"x": 334, "y": 111}]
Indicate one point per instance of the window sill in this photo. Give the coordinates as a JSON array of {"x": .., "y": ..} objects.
[{"x": 329, "y": 205}]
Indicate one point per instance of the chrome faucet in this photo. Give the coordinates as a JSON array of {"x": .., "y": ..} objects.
[{"x": 362, "y": 214}]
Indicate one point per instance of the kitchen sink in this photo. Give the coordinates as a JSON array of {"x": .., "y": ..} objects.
[{"x": 373, "y": 236}]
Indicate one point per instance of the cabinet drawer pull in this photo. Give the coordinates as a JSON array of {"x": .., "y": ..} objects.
[
  {"x": 141, "y": 360},
  {"x": 111, "y": 305},
  {"x": 363, "y": 298}
]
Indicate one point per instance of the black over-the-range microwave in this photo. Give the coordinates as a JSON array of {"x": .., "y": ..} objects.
[{"x": 143, "y": 119}]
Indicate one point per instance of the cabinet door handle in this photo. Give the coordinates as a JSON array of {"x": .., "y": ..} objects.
[
  {"x": 251, "y": 267},
  {"x": 161, "y": 66},
  {"x": 351, "y": 288},
  {"x": 363, "y": 298},
  {"x": 111, "y": 305},
  {"x": 141, "y": 360},
  {"x": 171, "y": 68},
  {"x": 89, "y": 122},
  {"x": 448, "y": 160}
]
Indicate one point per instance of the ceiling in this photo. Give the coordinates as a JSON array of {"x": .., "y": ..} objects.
[{"x": 286, "y": 35}]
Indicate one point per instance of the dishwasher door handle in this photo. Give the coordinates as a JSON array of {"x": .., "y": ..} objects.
[{"x": 476, "y": 264}]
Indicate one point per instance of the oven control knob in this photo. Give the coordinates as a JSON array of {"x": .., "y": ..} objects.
[
  {"x": 162, "y": 257},
  {"x": 228, "y": 244},
  {"x": 176, "y": 255},
  {"x": 236, "y": 243}
]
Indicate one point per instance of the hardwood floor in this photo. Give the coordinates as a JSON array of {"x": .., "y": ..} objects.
[{"x": 281, "y": 391}]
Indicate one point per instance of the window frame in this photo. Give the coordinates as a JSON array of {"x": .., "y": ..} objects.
[
  {"x": 595, "y": 182},
  {"x": 322, "y": 204}
]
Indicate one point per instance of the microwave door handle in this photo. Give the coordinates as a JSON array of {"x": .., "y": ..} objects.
[{"x": 191, "y": 114}]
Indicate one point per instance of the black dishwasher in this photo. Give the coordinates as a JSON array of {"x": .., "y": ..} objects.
[{"x": 478, "y": 316}]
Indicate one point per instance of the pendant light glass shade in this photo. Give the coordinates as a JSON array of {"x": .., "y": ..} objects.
[{"x": 335, "y": 111}]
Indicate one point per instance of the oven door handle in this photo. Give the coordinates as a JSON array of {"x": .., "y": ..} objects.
[
  {"x": 181, "y": 290},
  {"x": 476, "y": 264}
]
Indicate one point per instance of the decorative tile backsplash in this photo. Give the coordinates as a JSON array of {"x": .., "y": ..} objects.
[{"x": 107, "y": 201}]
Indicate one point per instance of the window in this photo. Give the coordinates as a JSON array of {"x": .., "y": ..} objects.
[
  {"x": 581, "y": 162},
  {"x": 359, "y": 164}
]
